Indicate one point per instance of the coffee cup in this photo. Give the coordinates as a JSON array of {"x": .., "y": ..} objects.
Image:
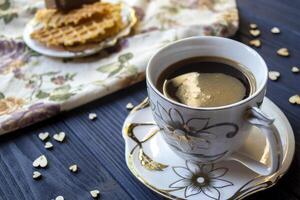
[{"x": 212, "y": 134}]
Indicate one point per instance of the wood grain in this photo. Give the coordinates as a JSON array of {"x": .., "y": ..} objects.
[{"x": 98, "y": 148}]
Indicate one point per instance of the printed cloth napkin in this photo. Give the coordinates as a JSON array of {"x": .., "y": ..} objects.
[{"x": 34, "y": 87}]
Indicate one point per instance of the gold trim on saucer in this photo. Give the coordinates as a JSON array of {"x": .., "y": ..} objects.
[
  {"x": 148, "y": 163},
  {"x": 145, "y": 160},
  {"x": 142, "y": 105}
]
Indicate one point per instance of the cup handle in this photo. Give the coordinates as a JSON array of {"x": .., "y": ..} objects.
[{"x": 257, "y": 118}]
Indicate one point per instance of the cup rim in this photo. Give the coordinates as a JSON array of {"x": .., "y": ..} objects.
[{"x": 256, "y": 93}]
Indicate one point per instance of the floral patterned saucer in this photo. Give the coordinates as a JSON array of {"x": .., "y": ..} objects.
[
  {"x": 128, "y": 16},
  {"x": 153, "y": 163}
]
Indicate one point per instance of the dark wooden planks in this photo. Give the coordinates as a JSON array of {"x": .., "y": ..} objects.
[
  {"x": 266, "y": 14},
  {"x": 96, "y": 146},
  {"x": 17, "y": 153},
  {"x": 104, "y": 135},
  {"x": 288, "y": 83}
]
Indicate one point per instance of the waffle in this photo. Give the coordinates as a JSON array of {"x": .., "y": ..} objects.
[
  {"x": 51, "y": 18},
  {"x": 89, "y": 30},
  {"x": 94, "y": 42}
]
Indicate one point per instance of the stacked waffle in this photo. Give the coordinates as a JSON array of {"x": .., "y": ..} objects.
[{"x": 80, "y": 28}]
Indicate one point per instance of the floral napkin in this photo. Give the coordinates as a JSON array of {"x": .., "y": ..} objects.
[{"x": 34, "y": 87}]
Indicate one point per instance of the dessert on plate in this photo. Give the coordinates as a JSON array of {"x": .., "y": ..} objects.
[{"x": 91, "y": 27}]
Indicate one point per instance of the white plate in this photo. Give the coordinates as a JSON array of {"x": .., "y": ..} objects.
[
  {"x": 128, "y": 16},
  {"x": 153, "y": 163}
]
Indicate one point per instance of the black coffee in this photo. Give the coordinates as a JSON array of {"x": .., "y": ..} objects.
[{"x": 206, "y": 82}]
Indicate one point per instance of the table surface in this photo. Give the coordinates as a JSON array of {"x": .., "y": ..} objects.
[{"x": 98, "y": 148}]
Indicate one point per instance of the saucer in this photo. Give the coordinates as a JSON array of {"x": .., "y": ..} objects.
[
  {"x": 128, "y": 17},
  {"x": 153, "y": 163}
]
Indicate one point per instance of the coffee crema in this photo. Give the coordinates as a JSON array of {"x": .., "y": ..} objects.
[{"x": 206, "y": 82}]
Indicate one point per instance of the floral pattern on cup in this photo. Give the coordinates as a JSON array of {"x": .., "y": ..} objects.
[
  {"x": 196, "y": 178},
  {"x": 190, "y": 135}
]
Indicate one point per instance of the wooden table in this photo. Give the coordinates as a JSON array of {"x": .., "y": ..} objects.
[{"x": 98, "y": 148}]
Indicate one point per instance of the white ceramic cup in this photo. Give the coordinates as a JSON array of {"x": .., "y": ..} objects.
[{"x": 212, "y": 134}]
